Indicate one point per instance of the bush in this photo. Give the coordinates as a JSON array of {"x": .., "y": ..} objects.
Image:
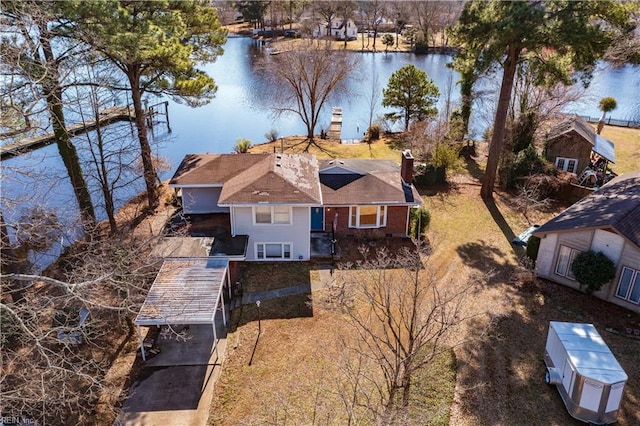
[
  {"x": 533, "y": 245},
  {"x": 420, "y": 219},
  {"x": 593, "y": 270},
  {"x": 242, "y": 146},
  {"x": 272, "y": 135},
  {"x": 527, "y": 162},
  {"x": 447, "y": 156},
  {"x": 373, "y": 132}
]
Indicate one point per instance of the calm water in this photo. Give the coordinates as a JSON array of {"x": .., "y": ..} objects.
[{"x": 240, "y": 111}]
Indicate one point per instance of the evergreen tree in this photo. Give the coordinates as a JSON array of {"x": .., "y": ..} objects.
[
  {"x": 413, "y": 93},
  {"x": 557, "y": 38}
]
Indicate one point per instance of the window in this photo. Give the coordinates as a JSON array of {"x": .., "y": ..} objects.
[
  {"x": 367, "y": 216},
  {"x": 565, "y": 260},
  {"x": 272, "y": 251},
  {"x": 629, "y": 285},
  {"x": 567, "y": 164},
  {"x": 278, "y": 215}
]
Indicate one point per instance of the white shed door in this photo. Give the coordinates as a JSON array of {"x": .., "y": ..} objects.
[{"x": 608, "y": 243}]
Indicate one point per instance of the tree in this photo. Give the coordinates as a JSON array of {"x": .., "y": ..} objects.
[
  {"x": 253, "y": 11},
  {"x": 375, "y": 10},
  {"x": 346, "y": 9},
  {"x": 111, "y": 152},
  {"x": 403, "y": 319},
  {"x": 35, "y": 57},
  {"x": 556, "y": 37},
  {"x": 328, "y": 10},
  {"x": 606, "y": 105},
  {"x": 387, "y": 40},
  {"x": 413, "y": 92},
  {"x": 47, "y": 376},
  {"x": 157, "y": 46},
  {"x": 304, "y": 80}
]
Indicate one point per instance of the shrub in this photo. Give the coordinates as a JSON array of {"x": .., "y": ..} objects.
[
  {"x": 242, "y": 146},
  {"x": 420, "y": 219},
  {"x": 272, "y": 135},
  {"x": 447, "y": 156},
  {"x": 592, "y": 270},
  {"x": 527, "y": 162},
  {"x": 373, "y": 132},
  {"x": 533, "y": 245}
]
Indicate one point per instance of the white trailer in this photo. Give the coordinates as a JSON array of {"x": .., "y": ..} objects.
[{"x": 589, "y": 378}]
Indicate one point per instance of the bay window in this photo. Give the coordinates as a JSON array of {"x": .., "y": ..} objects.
[{"x": 367, "y": 216}]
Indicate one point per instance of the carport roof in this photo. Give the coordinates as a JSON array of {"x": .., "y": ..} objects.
[{"x": 185, "y": 291}]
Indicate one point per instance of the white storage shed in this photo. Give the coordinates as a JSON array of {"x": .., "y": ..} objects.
[{"x": 581, "y": 365}]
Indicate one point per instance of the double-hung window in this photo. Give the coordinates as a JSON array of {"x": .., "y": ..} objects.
[
  {"x": 276, "y": 215},
  {"x": 565, "y": 260},
  {"x": 629, "y": 285},
  {"x": 567, "y": 164},
  {"x": 367, "y": 216},
  {"x": 273, "y": 251}
]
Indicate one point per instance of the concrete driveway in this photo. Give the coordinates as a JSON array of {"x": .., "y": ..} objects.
[{"x": 176, "y": 386}]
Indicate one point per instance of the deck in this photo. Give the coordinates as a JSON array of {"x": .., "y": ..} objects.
[
  {"x": 107, "y": 116},
  {"x": 335, "y": 128}
]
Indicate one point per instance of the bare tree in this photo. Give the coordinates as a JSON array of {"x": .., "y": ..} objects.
[
  {"x": 375, "y": 11},
  {"x": 59, "y": 340},
  {"x": 304, "y": 80},
  {"x": 328, "y": 10},
  {"x": 112, "y": 155},
  {"x": 531, "y": 196},
  {"x": 403, "y": 319}
]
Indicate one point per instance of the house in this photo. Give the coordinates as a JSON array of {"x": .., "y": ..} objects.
[
  {"x": 607, "y": 221},
  {"x": 364, "y": 197},
  {"x": 573, "y": 146},
  {"x": 338, "y": 29},
  {"x": 278, "y": 200}
]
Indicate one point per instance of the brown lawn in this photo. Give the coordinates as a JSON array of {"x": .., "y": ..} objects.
[{"x": 499, "y": 371}]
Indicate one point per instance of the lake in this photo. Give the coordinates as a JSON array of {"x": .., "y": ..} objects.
[{"x": 239, "y": 111}]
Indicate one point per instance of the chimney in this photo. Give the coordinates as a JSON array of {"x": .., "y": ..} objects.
[{"x": 406, "y": 168}]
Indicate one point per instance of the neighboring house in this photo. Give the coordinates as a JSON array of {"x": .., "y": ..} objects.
[
  {"x": 338, "y": 30},
  {"x": 607, "y": 221},
  {"x": 277, "y": 200},
  {"x": 573, "y": 145}
]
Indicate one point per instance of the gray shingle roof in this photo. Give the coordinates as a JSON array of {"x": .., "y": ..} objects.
[
  {"x": 349, "y": 182},
  {"x": 616, "y": 205}
]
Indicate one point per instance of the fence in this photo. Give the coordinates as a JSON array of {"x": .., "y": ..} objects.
[{"x": 613, "y": 122}]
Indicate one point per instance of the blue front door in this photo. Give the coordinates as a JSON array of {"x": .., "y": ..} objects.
[{"x": 317, "y": 218}]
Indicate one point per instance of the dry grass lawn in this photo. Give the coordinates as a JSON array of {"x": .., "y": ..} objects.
[{"x": 499, "y": 374}]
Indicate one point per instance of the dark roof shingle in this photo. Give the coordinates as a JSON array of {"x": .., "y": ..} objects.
[{"x": 615, "y": 205}]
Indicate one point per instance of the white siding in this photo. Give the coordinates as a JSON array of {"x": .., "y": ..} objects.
[
  {"x": 608, "y": 243},
  {"x": 545, "y": 261},
  {"x": 630, "y": 257},
  {"x": 202, "y": 200},
  {"x": 578, "y": 240},
  {"x": 297, "y": 233}
]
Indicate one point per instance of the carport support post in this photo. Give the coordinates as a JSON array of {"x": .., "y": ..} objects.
[{"x": 144, "y": 356}]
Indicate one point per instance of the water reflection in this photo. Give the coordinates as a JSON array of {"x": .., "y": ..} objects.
[{"x": 239, "y": 110}]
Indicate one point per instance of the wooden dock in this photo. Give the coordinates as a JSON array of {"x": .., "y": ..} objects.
[
  {"x": 335, "y": 128},
  {"x": 107, "y": 116}
]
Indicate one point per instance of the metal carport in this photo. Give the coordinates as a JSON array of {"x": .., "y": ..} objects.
[{"x": 185, "y": 291}]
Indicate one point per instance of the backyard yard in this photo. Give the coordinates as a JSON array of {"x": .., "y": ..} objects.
[{"x": 291, "y": 373}]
